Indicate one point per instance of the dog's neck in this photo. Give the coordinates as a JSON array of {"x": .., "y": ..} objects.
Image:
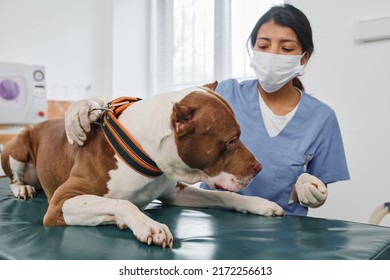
[{"x": 158, "y": 140}]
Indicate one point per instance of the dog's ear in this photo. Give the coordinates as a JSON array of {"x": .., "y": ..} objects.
[
  {"x": 183, "y": 118},
  {"x": 212, "y": 86}
]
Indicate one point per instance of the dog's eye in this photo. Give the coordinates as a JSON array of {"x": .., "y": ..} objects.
[{"x": 232, "y": 143}]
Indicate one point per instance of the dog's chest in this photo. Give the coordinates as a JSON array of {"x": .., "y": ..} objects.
[{"x": 129, "y": 185}]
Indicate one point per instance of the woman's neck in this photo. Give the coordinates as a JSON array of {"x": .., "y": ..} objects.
[{"x": 282, "y": 101}]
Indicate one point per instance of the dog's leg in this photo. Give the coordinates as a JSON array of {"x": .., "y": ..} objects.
[
  {"x": 21, "y": 183},
  {"x": 92, "y": 210},
  {"x": 184, "y": 195},
  {"x": 17, "y": 165}
]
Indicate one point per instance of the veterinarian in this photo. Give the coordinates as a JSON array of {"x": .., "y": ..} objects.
[{"x": 295, "y": 136}]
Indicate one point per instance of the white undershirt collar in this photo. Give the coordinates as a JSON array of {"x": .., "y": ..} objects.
[{"x": 273, "y": 123}]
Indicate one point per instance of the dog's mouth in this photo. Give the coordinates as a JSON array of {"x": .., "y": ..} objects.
[
  {"x": 233, "y": 188},
  {"x": 228, "y": 188},
  {"x": 228, "y": 182},
  {"x": 218, "y": 187}
]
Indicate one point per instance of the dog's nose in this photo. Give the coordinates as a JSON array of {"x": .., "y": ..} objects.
[{"x": 256, "y": 167}]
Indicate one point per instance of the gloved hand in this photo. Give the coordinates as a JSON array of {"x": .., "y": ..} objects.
[
  {"x": 310, "y": 191},
  {"x": 78, "y": 118}
]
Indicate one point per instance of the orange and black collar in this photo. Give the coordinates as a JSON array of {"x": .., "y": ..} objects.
[{"x": 121, "y": 141}]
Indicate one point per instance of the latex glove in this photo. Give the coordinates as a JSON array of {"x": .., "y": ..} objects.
[
  {"x": 310, "y": 191},
  {"x": 78, "y": 118}
]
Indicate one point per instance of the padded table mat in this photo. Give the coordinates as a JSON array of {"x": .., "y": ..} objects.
[{"x": 199, "y": 234}]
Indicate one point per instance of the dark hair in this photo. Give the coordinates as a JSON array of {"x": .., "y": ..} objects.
[{"x": 289, "y": 16}]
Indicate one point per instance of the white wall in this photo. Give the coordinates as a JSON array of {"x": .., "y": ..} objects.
[
  {"x": 71, "y": 38},
  {"x": 99, "y": 43},
  {"x": 354, "y": 80}
]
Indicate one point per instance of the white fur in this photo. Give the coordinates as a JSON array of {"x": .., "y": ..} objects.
[
  {"x": 134, "y": 187},
  {"x": 91, "y": 210},
  {"x": 24, "y": 178},
  {"x": 196, "y": 197}
]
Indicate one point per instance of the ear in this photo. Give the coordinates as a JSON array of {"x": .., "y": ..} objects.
[
  {"x": 305, "y": 58},
  {"x": 182, "y": 118},
  {"x": 212, "y": 86}
]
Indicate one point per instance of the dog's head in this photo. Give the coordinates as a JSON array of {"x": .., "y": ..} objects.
[{"x": 207, "y": 136}]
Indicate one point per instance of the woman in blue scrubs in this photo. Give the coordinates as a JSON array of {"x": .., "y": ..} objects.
[{"x": 295, "y": 136}]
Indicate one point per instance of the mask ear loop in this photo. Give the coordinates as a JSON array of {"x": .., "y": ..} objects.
[
  {"x": 303, "y": 55},
  {"x": 249, "y": 48},
  {"x": 304, "y": 66}
]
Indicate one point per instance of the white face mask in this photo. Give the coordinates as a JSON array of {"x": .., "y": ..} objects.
[{"x": 275, "y": 70}]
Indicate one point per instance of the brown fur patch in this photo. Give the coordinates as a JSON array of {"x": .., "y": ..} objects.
[
  {"x": 212, "y": 128},
  {"x": 61, "y": 168}
]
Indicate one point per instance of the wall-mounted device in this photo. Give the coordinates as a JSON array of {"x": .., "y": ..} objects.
[
  {"x": 377, "y": 29},
  {"x": 22, "y": 94}
]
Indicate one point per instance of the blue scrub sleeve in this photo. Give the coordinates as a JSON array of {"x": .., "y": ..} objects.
[{"x": 329, "y": 162}]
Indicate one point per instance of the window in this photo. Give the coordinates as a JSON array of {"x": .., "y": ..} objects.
[{"x": 199, "y": 41}]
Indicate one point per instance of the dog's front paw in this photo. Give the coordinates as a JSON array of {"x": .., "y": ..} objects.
[
  {"x": 152, "y": 232},
  {"x": 23, "y": 191},
  {"x": 272, "y": 209},
  {"x": 264, "y": 207}
]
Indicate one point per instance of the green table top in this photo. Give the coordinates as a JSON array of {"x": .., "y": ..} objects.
[{"x": 199, "y": 234}]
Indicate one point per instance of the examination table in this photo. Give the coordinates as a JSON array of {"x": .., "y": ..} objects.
[{"x": 199, "y": 234}]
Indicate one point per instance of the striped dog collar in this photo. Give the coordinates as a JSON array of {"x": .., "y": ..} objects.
[{"x": 122, "y": 142}]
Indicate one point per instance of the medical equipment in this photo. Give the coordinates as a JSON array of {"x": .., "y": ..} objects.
[
  {"x": 379, "y": 213},
  {"x": 22, "y": 94}
]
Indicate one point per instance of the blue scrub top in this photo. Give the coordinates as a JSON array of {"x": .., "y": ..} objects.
[{"x": 311, "y": 142}]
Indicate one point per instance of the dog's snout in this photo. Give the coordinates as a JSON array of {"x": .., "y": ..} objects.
[{"x": 256, "y": 167}]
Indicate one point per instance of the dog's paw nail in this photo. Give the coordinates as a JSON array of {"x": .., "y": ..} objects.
[
  {"x": 121, "y": 226},
  {"x": 149, "y": 241}
]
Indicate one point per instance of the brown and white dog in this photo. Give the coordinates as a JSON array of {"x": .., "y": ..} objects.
[{"x": 192, "y": 135}]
